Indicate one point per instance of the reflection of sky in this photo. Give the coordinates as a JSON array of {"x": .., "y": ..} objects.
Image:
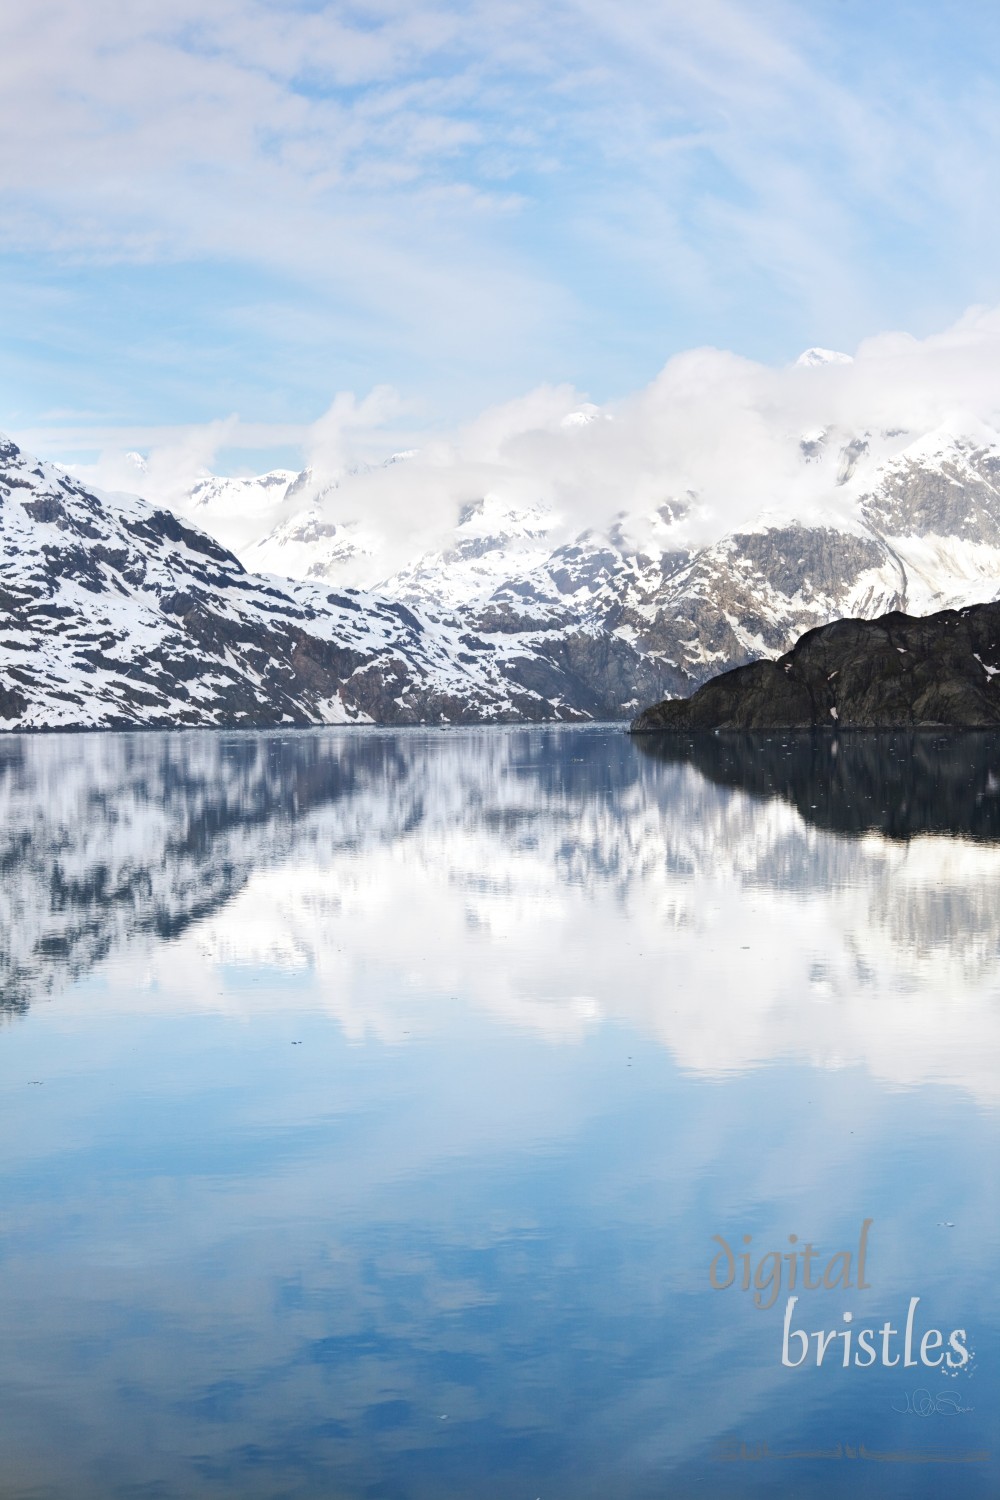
[{"x": 455, "y": 1241}]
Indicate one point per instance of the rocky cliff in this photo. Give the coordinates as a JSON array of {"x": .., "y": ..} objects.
[{"x": 896, "y": 672}]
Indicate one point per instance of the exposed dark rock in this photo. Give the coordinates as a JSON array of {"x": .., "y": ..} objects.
[
  {"x": 957, "y": 496},
  {"x": 896, "y": 672}
]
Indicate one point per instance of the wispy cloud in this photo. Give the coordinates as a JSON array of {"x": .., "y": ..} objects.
[
  {"x": 468, "y": 197},
  {"x": 714, "y": 431}
]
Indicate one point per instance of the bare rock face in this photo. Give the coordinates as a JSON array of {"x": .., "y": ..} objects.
[
  {"x": 896, "y": 672},
  {"x": 755, "y": 591},
  {"x": 955, "y": 495}
]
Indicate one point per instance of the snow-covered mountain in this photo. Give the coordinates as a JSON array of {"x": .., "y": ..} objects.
[
  {"x": 815, "y": 357},
  {"x": 118, "y": 614},
  {"x": 235, "y": 510},
  {"x": 653, "y": 602}
]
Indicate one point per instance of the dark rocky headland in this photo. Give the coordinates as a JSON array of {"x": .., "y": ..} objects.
[{"x": 896, "y": 672}]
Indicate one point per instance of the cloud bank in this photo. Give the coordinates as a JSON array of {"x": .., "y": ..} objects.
[{"x": 715, "y": 435}]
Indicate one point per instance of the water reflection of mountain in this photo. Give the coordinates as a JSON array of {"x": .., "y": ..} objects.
[
  {"x": 554, "y": 878},
  {"x": 106, "y": 839},
  {"x": 897, "y": 784}
]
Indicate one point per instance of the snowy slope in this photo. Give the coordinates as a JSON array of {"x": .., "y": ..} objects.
[
  {"x": 493, "y": 541},
  {"x": 237, "y": 510},
  {"x": 309, "y": 544},
  {"x": 289, "y": 523},
  {"x": 118, "y": 614}
]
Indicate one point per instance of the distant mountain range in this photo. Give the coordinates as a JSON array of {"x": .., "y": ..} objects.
[{"x": 117, "y": 612}]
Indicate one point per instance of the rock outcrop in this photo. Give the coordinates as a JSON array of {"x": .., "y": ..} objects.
[{"x": 896, "y": 672}]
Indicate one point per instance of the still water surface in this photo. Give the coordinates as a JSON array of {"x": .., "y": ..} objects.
[{"x": 373, "y": 1106}]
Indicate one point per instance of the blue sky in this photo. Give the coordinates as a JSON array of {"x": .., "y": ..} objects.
[{"x": 247, "y": 211}]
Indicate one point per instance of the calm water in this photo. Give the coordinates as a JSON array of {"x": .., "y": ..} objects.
[{"x": 373, "y": 1106}]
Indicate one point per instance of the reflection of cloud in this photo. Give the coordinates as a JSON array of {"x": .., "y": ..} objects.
[
  {"x": 261, "y": 1248},
  {"x": 279, "y": 1257},
  {"x": 559, "y": 881},
  {"x": 894, "y": 968}
]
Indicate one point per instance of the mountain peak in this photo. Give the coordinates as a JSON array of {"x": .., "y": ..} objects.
[{"x": 816, "y": 356}]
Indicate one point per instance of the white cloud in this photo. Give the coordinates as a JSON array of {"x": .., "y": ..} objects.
[
  {"x": 770, "y": 940},
  {"x": 436, "y": 170},
  {"x": 329, "y": 445},
  {"x": 171, "y": 467},
  {"x": 712, "y": 426}
]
